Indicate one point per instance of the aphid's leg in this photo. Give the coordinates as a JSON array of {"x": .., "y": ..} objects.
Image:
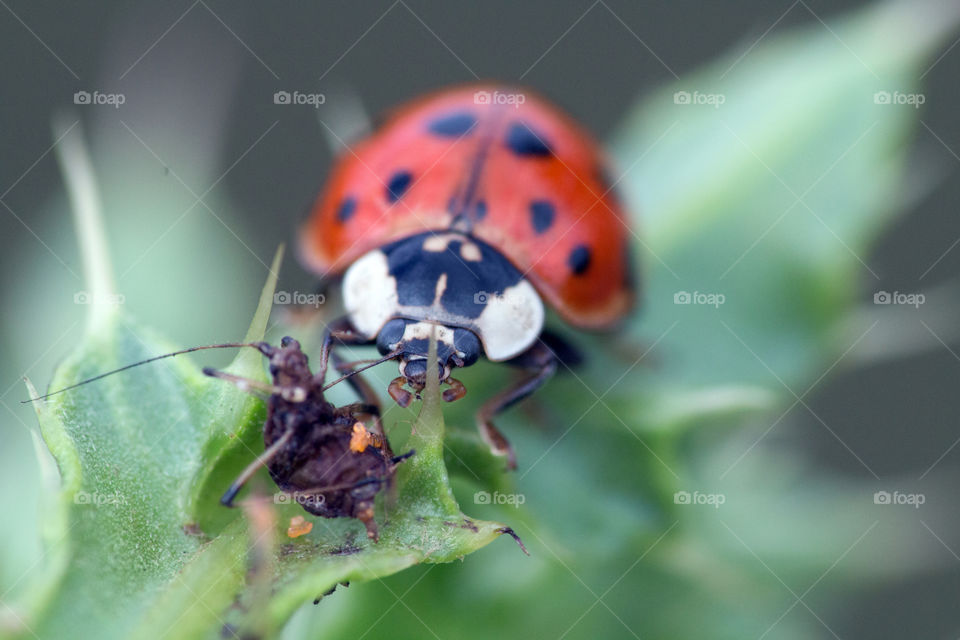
[
  {"x": 291, "y": 394},
  {"x": 403, "y": 456},
  {"x": 542, "y": 361},
  {"x": 398, "y": 393},
  {"x": 456, "y": 391},
  {"x": 262, "y": 459},
  {"x": 364, "y": 510},
  {"x": 365, "y": 515}
]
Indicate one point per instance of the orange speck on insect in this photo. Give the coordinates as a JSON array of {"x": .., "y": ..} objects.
[
  {"x": 361, "y": 438},
  {"x": 299, "y": 527}
]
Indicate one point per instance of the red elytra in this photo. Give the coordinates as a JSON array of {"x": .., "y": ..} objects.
[{"x": 506, "y": 166}]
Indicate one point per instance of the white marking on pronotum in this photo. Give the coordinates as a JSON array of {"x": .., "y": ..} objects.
[
  {"x": 470, "y": 252},
  {"x": 440, "y": 288},
  {"x": 370, "y": 293},
  {"x": 510, "y": 322},
  {"x": 436, "y": 243},
  {"x": 422, "y": 331},
  {"x": 508, "y": 325}
]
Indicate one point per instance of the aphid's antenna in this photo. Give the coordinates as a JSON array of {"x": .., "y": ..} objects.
[
  {"x": 256, "y": 345},
  {"x": 389, "y": 356}
]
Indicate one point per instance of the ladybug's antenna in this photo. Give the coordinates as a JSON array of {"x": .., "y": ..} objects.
[{"x": 256, "y": 345}]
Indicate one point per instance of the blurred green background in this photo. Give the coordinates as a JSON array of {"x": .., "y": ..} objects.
[{"x": 798, "y": 198}]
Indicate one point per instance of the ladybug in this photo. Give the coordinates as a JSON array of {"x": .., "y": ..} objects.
[{"x": 464, "y": 213}]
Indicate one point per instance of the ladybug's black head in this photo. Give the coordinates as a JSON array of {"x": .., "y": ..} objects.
[{"x": 456, "y": 347}]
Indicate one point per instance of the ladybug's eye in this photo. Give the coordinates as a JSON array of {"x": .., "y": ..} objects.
[
  {"x": 390, "y": 335},
  {"x": 467, "y": 343}
]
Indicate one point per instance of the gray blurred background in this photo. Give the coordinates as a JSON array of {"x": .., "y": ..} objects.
[{"x": 208, "y": 70}]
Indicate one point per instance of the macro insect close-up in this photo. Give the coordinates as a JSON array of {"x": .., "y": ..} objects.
[{"x": 400, "y": 320}]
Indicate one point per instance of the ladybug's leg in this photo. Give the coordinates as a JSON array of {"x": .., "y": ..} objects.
[
  {"x": 540, "y": 359},
  {"x": 456, "y": 391},
  {"x": 343, "y": 332},
  {"x": 398, "y": 393}
]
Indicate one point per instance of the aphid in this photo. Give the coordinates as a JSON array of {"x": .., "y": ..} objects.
[
  {"x": 319, "y": 454},
  {"x": 464, "y": 212}
]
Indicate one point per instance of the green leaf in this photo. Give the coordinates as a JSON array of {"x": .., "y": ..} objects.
[{"x": 772, "y": 198}]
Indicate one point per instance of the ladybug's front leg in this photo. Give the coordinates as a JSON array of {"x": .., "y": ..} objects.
[
  {"x": 398, "y": 393},
  {"x": 342, "y": 332},
  {"x": 542, "y": 361}
]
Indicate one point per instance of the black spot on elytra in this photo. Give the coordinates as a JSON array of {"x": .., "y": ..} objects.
[
  {"x": 398, "y": 185},
  {"x": 346, "y": 209},
  {"x": 579, "y": 259},
  {"x": 452, "y": 125},
  {"x": 541, "y": 215},
  {"x": 524, "y": 141}
]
